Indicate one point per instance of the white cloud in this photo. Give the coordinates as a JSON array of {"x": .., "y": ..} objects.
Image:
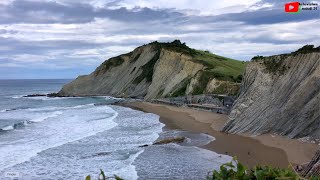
[
  {"x": 203, "y": 7},
  {"x": 89, "y": 44},
  {"x": 30, "y": 58},
  {"x": 241, "y": 43},
  {"x": 5, "y": 2}
]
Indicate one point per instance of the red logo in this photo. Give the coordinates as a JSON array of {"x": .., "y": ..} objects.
[{"x": 292, "y": 7}]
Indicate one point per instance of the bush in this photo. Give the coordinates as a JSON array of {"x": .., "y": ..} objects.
[
  {"x": 275, "y": 66},
  {"x": 112, "y": 62},
  {"x": 307, "y": 49},
  {"x": 236, "y": 171},
  {"x": 257, "y": 57},
  {"x": 102, "y": 176},
  {"x": 239, "y": 78}
]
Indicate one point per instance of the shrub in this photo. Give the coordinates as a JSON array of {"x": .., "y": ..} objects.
[
  {"x": 102, "y": 176},
  {"x": 239, "y": 78},
  {"x": 236, "y": 171},
  {"x": 176, "y": 46},
  {"x": 275, "y": 65},
  {"x": 181, "y": 88},
  {"x": 147, "y": 69},
  {"x": 112, "y": 62},
  {"x": 307, "y": 49},
  {"x": 255, "y": 58}
]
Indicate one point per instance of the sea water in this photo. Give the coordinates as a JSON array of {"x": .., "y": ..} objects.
[{"x": 70, "y": 138}]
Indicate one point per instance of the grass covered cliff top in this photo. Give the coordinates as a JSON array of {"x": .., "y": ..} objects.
[
  {"x": 217, "y": 66},
  {"x": 274, "y": 64},
  {"x": 222, "y": 67}
]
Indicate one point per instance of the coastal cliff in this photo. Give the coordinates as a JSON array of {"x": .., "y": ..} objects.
[
  {"x": 280, "y": 94},
  {"x": 159, "y": 70}
]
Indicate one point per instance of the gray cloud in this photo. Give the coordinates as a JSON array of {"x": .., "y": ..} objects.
[
  {"x": 268, "y": 16},
  {"x": 52, "y": 12},
  {"x": 78, "y": 37}
]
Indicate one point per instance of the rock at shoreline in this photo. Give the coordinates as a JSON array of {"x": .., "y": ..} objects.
[
  {"x": 170, "y": 140},
  {"x": 46, "y": 95},
  {"x": 167, "y": 141},
  {"x": 35, "y": 95}
]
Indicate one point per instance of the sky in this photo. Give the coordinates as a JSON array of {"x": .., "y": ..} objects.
[{"x": 48, "y": 39}]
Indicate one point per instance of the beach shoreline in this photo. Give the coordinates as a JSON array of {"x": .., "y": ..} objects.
[{"x": 266, "y": 149}]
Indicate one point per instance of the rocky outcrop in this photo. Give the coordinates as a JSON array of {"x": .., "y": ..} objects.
[
  {"x": 279, "y": 94},
  {"x": 151, "y": 71}
]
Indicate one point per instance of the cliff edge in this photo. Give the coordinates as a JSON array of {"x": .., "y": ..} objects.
[
  {"x": 280, "y": 94},
  {"x": 158, "y": 70}
]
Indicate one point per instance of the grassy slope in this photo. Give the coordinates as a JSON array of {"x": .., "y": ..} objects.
[
  {"x": 221, "y": 66},
  {"x": 218, "y": 67}
]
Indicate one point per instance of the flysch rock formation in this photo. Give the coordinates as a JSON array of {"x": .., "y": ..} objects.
[
  {"x": 279, "y": 94},
  {"x": 151, "y": 71}
]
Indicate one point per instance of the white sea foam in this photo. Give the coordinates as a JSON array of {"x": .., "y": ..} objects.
[
  {"x": 54, "y": 114},
  {"x": 17, "y": 96},
  {"x": 112, "y": 98},
  {"x": 55, "y": 108},
  {"x": 43, "y": 98},
  {"x": 4, "y": 110},
  {"x": 129, "y": 172},
  {"x": 7, "y": 128},
  {"x": 113, "y": 150},
  {"x": 65, "y": 126}
]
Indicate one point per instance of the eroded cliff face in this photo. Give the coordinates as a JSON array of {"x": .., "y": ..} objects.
[
  {"x": 279, "y": 94},
  {"x": 149, "y": 72},
  {"x": 159, "y": 70}
]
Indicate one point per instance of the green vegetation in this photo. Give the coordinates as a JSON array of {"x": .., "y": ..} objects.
[
  {"x": 112, "y": 62},
  {"x": 274, "y": 65},
  {"x": 230, "y": 85},
  {"x": 147, "y": 69},
  {"x": 223, "y": 68},
  {"x": 222, "y": 88},
  {"x": 220, "y": 67},
  {"x": 176, "y": 46},
  {"x": 307, "y": 49},
  {"x": 236, "y": 171},
  {"x": 217, "y": 67},
  {"x": 256, "y": 58},
  {"x": 180, "y": 89},
  {"x": 205, "y": 77},
  {"x": 135, "y": 58},
  {"x": 102, "y": 176}
]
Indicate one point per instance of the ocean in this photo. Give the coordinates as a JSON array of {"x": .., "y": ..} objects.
[{"x": 70, "y": 138}]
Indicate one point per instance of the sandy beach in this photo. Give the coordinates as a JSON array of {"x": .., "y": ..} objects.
[{"x": 250, "y": 150}]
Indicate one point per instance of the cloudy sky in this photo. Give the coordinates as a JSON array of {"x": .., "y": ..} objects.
[{"x": 65, "y": 38}]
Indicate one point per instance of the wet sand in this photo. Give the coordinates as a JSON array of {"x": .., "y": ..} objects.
[{"x": 263, "y": 150}]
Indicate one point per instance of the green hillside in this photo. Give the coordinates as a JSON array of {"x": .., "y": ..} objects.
[
  {"x": 221, "y": 67},
  {"x": 228, "y": 71}
]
